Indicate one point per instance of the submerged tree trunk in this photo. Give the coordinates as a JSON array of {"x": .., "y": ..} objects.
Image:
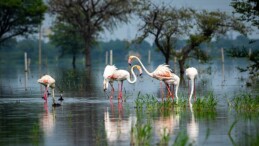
[
  {"x": 74, "y": 61},
  {"x": 181, "y": 66},
  {"x": 87, "y": 55}
]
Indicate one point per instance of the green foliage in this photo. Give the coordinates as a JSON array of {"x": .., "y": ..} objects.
[
  {"x": 181, "y": 139},
  {"x": 245, "y": 103},
  {"x": 68, "y": 39},
  {"x": 142, "y": 134},
  {"x": 206, "y": 104},
  {"x": 20, "y": 17},
  {"x": 249, "y": 10}
]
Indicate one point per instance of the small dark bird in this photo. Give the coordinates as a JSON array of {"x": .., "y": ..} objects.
[{"x": 61, "y": 98}]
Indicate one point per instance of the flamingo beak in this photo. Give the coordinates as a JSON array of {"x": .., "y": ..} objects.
[
  {"x": 129, "y": 61},
  {"x": 140, "y": 74}
]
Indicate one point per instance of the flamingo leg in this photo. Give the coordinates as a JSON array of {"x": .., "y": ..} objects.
[
  {"x": 161, "y": 90},
  {"x": 121, "y": 91},
  {"x": 112, "y": 91},
  {"x": 169, "y": 91},
  {"x": 45, "y": 95},
  {"x": 173, "y": 92}
]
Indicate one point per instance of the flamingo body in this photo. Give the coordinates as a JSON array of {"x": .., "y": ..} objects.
[
  {"x": 191, "y": 73},
  {"x": 161, "y": 73},
  {"x": 175, "y": 81},
  {"x": 111, "y": 74},
  {"x": 47, "y": 81}
]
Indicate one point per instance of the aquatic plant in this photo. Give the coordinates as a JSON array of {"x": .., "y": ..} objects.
[
  {"x": 245, "y": 103},
  {"x": 165, "y": 137},
  {"x": 181, "y": 139},
  {"x": 35, "y": 133},
  {"x": 207, "y": 103},
  {"x": 141, "y": 134}
]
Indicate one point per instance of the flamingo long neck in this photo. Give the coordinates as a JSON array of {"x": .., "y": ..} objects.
[
  {"x": 134, "y": 77},
  {"x": 176, "y": 91},
  {"x": 192, "y": 88},
  {"x": 150, "y": 74}
]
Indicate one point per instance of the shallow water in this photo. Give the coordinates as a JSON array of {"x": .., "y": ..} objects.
[{"x": 87, "y": 117}]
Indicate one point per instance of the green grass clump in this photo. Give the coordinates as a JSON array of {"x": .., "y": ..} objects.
[
  {"x": 142, "y": 134},
  {"x": 207, "y": 103},
  {"x": 245, "y": 103}
]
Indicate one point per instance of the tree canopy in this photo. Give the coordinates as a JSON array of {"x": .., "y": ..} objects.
[
  {"x": 248, "y": 9},
  {"x": 165, "y": 24},
  {"x": 65, "y": 37},
  {"x": 20, "y": 17},
  {"x": 90, "y": 17}
]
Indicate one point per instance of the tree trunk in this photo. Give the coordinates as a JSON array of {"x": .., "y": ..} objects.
[
  {"x": 181, "y": 66},
  {"x": 74, "y": 61},
  {"x": 87, "y": 55},
  {"x": 167, "y": 59}
]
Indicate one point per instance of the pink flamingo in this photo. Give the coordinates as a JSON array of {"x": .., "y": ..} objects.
[
  {"x": 162, "y": 73},
  {"x": 111, "y": 73},
  {"x": 48, "y": 81}
]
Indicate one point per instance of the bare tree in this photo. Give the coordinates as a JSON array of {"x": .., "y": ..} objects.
[
  {"x": 90, "y": 17},
  {"x": 165, "y": 23}
]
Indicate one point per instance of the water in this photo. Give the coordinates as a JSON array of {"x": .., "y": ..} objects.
[{"x": 87, "y": 117}]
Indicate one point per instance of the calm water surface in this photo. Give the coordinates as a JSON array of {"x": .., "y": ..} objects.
[{"x": 87, "y": 117}]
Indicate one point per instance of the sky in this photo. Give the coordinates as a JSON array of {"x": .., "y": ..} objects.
[{"x": 130, "y": 30}]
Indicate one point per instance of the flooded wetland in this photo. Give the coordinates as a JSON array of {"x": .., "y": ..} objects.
[{"x": 221, "y": 114}]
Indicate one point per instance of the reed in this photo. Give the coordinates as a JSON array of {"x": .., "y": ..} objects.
[
  {"x": 245, "y": 103},
  {"x": 207, "y": 103}
]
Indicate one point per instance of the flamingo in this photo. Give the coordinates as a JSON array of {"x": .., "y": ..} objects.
[
  {"x": 162, "y": 73},
  {"x": 191, "y": 73},
  {"x": 111, "y": 73},
  {"x": 175, "y": 81},
  {"x": 48, "y": 81}
]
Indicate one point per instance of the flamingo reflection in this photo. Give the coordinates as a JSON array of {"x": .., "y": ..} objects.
[
  {"x": 192, "y": 127},
  {"x": 167, "y": 125},
  {"x": 116, "y": 126},
  {"x": 47, "y": 120}
]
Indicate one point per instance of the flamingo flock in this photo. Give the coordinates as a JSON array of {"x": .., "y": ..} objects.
[{"x": 111, "y": 73}]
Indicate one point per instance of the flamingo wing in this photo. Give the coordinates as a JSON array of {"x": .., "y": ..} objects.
[
  {"x": 120, "y": 75},
  {"x": 109, "y": 70},
  {"x": 163, "y": 72}
]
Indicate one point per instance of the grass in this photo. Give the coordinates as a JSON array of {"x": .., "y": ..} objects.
[
  {"x": 208, "y": 103},
  {"x": 181, "y": 139},
  {"x": 245, "y": 103},
  {"x": 142, "y": 134}
]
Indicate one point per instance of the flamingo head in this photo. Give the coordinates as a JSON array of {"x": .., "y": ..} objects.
[
  {"x": 130, "y": 59},
  {"x": 140, "y": 70},
  {"x": 105, "y": 84}
]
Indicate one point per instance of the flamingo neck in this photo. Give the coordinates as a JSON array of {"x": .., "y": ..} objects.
[
  {"x": 176, "y": 91},
  {"x": 192, "y": 88},
  {"x": 150, "y": 74},
  {"x": 134, "y": 77}
]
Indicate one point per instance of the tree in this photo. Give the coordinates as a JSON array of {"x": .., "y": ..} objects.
[
  {"x": 249, "y": 10},
  {"x": 166, "y": 24},
  {"x": 20, "y": 17},
  {"x": 90, "y": 17},
  {"x": 65, "y": 37}
]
